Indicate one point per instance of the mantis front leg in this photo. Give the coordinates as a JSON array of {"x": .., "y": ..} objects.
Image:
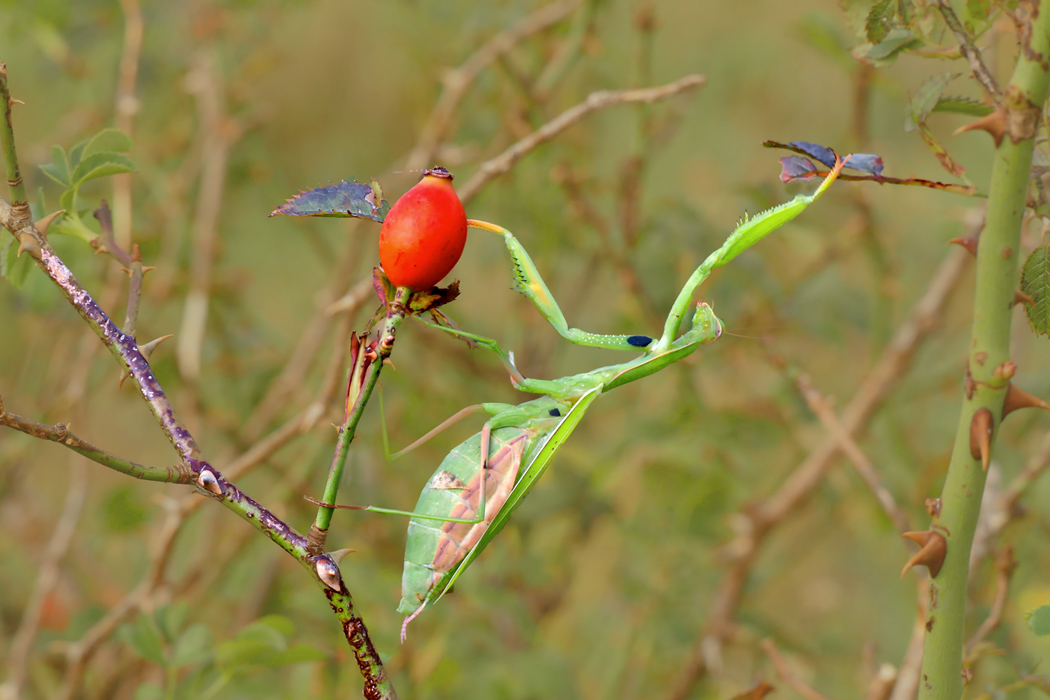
[{"x": 529, "y": 282}]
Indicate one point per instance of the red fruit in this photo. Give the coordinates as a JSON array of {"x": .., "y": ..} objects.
[{"x": 424, "y": 233}]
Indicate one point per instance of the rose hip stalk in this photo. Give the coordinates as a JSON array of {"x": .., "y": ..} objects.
[{"x": 424, "y": 233}]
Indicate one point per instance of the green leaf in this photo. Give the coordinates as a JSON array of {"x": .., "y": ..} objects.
[
  {"x": 1035, "y": 282},
  {"x": 14, "y": 268},
  {"x": 171, "y": 618},
  {"x": 72, "y": 226},
  {"x": 962, "y": 105},
  {"x": 195, "y": 646},
  {"x": 906, "y": 12},
  {"x": 879, "y": 21},
  {"x": 58, "y": 168},
  {"x": 926, "y": 98},
  {"x": 99, "y": 165},
  {"x": 108, "y": 140},
  {"x": 344, "y": 199},
  {"x": 886, "y": 51},
  {"x": 1039, "y": 620},
  {"x": 144, "y": 637},
  {"x": 77, "y": 152}
]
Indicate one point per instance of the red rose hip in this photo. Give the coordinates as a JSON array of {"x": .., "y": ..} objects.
[{"x": 424, "y": 233}]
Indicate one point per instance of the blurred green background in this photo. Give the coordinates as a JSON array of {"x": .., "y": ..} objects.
[{"x": 603, "y": 582}]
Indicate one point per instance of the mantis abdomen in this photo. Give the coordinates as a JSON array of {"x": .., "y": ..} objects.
[{"x": 434, "y": 549}]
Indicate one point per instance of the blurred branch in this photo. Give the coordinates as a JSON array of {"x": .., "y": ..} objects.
[
  {"x": 821, "y": 407},
  {"x": 977, "y": 67},
  {"x": 744, "y": 549},
  {"x": 789, "y": 678},
  {"x": 47, "y": 577},
  {"x": 458, "y": 82},
  {"x": 125, "y": 108},
  {"x": 219, "y": 135},
  {"x": 603, "y": 99},
  {"x": 1004, "y": 571}
]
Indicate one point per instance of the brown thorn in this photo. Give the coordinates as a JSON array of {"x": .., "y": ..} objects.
[
  {"x": 934, "y": 548},
  {"x": 42, "y": 225},
  {"x": 147, "y": 268},
  {"x": 28, "y": 244},
  {"x": 1017, "y": 398},
  {"x": 148, "y": 348},
  {"x": 1021, "y": 297},
  {"x": 127, "y": 272},
  {"x": 387, "y": 362},
  {"x": 994, "y": 124},
  {"x": 337, "y": 555},
  {"x": 967, "y": 242},
  {"x": 981, "y": 436}
]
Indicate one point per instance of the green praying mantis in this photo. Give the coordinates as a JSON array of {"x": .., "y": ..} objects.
[{"x": 477, "y": 487}]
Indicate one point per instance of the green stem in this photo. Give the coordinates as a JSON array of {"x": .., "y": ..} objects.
[
  {"x": 989, "y": 369},
  {"x": 360, "y": 392},
  {"x": 19, "y": 200},
  {"x": 178, "y": 474}
]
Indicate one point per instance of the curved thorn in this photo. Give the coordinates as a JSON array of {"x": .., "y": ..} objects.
[
  {"x": 934, "y": 549},
  {"x": 967, "y": 242},
  {"x": 42, "y": 225},
  {"x": 994, "y": 124},
  {"x": 1017, "y": 398},
  {"x": 981, "y": 436}
]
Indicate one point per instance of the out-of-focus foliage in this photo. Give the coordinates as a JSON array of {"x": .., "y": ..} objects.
[{"x": 601, "y": 584}]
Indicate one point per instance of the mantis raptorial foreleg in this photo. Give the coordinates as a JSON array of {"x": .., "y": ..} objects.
[{"x": 529, "y": 282}]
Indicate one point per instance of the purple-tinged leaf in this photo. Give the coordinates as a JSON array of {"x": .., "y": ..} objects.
[
  {"x": 796, "y": 168},
  {"x": 344, "y": 199},
  {"x": 819, "y": 153},
  {"x": 865, "y": 163}
]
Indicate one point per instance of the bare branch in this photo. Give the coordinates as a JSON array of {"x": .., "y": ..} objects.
[
  {"x": 789, "y": 678},
  {"x": 459, "y": 81},
  {"x": 603, "y": 99}
]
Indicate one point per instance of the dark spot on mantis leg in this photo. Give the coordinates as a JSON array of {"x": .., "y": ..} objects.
[
  {"x": 554, "y": 412},
  {"x": 639, "y": 341}
]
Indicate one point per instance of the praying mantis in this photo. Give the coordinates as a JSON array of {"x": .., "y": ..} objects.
[{"x": 476, "y": 488}]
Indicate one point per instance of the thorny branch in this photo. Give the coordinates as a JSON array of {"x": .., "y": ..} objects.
[
  {"x": 602, "y": 99},
  {"x": 744, "y": 550}
]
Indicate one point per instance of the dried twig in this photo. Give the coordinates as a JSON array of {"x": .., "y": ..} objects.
[
  {"x": 789, "y": 678},
  {"x": 603, "y": 99},
  {"x": 458, "y": 82},
  {"x": 821, "y": 407},
  {"x": 47, "y": 578}
]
